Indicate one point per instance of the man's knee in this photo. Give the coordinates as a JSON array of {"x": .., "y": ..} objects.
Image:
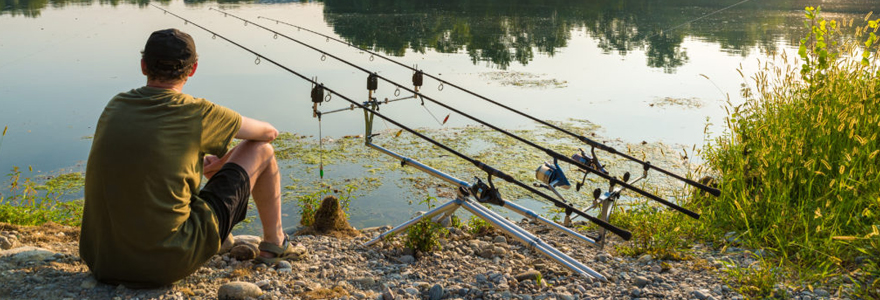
[{"x": 264, "y": 150}]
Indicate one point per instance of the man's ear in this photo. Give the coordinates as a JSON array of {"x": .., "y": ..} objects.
[
  {"x": 143, "y": 66},
  {"x": 195, "y": 66}
]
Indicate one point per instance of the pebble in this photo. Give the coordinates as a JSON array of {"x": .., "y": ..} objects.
[
  {"x": 89, "y": 283},
  {"x": 642, "y": 281},
  {"x": 26, "y": 254},
  {"x": 387, "y": 294},
  {"x": 227, "y": 245},
  {"x": 701, "y": 294},
  {"x": 528, "y": 275},
  {"x": 247, "y": 239},
  {"x": 407, "y": 259},
  {"x": 500, "y": 239},
  {"x": 6, "y": 242},
  {"x": 244, "y": 252},
  {"x": 436, "y": 292},
  {"x": 365, "y": 281},
  {"x": 238, "y": 290}
]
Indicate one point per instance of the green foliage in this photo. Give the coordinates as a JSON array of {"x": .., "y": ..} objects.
[
  {"x": 425, "y": 235},
  {"x": 31, "y": 203},
  {"x": 309, "y": 203},
  {"x": 799, "y": 169},
  {"x": 662, "y": 233},
  {"x": 478, "y": 225},
  {"x": 755, "y": 281}
]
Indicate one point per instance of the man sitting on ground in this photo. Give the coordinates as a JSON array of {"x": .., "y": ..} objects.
[{"x": 145, "y": 221}]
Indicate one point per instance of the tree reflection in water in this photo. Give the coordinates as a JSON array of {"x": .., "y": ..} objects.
[{"x": 501, "y": 32}]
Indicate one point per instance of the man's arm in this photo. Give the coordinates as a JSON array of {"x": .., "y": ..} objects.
[{"x": 256, "y": 130}]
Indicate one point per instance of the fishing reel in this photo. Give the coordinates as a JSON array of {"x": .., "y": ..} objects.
[
  {"x": 591, "y": 162},
  {"x": 486, "y": 193},
  {"x": 551, "y": 176}
]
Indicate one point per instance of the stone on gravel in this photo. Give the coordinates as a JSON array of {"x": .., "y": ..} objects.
[
  {"x": 822, "y": 293},
  {"x": 247, "y": 239},
  {"x": 6, "y": 242},
  {"x": 387, "y": 294},
  {"x": 366, "y": 281},
  {"x": 227, "y": 245},
  {"x": 89, "y": 283},
  {"x": 642, "y": 281},
  {"x": 500, "y": 239},
  {"x": 436, "y": 292},
  {"x": 238, "y": 290},
  {"x": 25, "y": 254},
  {"x": 701, "y": 294},
  {"x": 244, "y": 252},
  {"x": 528, "y": 275},
  {"x": 407, "y": 259}
]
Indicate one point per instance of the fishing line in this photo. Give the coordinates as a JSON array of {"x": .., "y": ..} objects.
[
  {"x": 626, "y": 235},
  {"x": 579, "y": 137},
  {"x": 555, "y": 155}
]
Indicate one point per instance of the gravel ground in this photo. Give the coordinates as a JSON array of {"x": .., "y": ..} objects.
[{"x": 487, "y": 266}]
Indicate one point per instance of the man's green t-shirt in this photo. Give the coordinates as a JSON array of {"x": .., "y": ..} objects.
[{"x": 143, "y": 223}]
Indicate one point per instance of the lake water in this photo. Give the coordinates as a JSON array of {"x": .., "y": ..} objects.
[{"x": 618, "y": 64}]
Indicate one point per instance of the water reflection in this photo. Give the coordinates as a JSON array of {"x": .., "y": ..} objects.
[{"x": 501, "y": 32}]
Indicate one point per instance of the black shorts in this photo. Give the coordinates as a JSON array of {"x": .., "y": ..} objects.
[{"x": 227, "y": 193}]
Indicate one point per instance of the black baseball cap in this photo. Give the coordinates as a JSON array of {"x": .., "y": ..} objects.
[{"x": 170, "y": 49}]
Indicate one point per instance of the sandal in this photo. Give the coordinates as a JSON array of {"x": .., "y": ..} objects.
[{"x": 280, "y": 253}]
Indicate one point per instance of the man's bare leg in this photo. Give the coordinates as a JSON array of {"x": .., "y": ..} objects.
[{"x": 258, "y": 160}]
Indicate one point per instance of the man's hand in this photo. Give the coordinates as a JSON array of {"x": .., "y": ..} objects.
[
  {"x": 212, "y": 164},
  {"x": 256, "y": 130}
]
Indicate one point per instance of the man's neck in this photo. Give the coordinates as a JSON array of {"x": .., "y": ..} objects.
[{"x": 176, "y": 85}]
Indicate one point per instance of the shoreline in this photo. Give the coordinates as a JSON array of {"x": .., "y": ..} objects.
[{"x": 488, "y": 266}]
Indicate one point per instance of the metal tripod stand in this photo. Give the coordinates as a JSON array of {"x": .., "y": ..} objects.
[{"x": 484, "y": 194}]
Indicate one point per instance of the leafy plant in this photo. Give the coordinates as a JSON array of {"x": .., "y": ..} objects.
[
  {"x": 31, "y": 203},
  {"x": 478, "y": 225},
  {"x": 799, "y": 170},
  {"x": 425, "y": 235}
]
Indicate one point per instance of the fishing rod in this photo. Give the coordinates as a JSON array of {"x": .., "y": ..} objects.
[
  {"x": 555, "y": 155},
  {"x": 582, "y": 138},
  {"x": 626, "y": 235}
]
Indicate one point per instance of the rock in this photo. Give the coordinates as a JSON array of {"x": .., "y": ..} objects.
[
  {"x": 603, "y": 257},
  {"x": 387, "y": 294},
  {"x": 238, "y": 290},
  {"x": 435, "y": 293},
  {"x": 89, "y": 283},
  {"x": 642, "y": 281},
  {"x": 407, "y": 259},
  {"x": 283, "y": 265},
  {"x": 564, "y": 296},
  {"x": 636, "y": 292},
  {"x": 822, "y": 293},
  {"x": 500, "y": 239},
  {"x": 247, "y": 239},
  {"x": 244, "y": 252},
  {"x": 701, "y": 294},
  {"x": 487, "y": 252},
  {"x": 263, "y": 283},
  {"x": 25, "y": 254},
  {"x": 365, "y": 281},
  {"x": 411, "y": 291},
  {"x": 7, "y": 242},
  {"x": 227, "y": 245},
  {"x": 500, "y": 251},
  {"x": 528, "y": 275},
  {"x": 645, "y": 258}
]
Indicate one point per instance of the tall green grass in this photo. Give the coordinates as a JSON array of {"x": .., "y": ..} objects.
[
  {"x": 28, "y": 202},
  {"x": 799, "y": 169}
]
